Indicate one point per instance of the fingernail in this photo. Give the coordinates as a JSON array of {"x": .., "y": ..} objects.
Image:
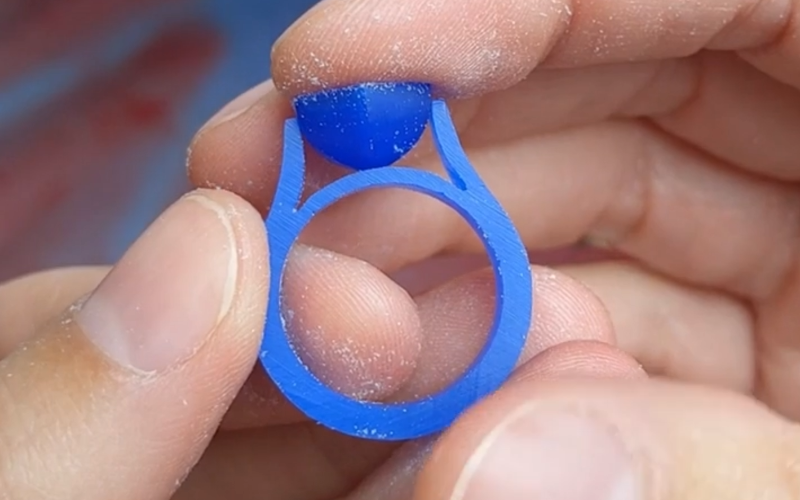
[
  {"x": 169, "y": 291},
  {"x": 239, "y": 105},
  {"x": 548, "y": 455}
]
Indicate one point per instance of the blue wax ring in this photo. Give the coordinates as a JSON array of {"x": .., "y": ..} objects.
[{"x": 464, "y": 192}]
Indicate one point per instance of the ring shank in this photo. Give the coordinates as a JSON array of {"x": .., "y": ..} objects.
[{"x": 497, "y": 359}]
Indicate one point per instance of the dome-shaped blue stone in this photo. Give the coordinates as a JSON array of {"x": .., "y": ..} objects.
[{"x": 365, "y": 126}]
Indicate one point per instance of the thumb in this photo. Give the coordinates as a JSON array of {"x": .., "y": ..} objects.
[
  {"x": 118, "y": 397},
  {"x": 608, "y": 439}
]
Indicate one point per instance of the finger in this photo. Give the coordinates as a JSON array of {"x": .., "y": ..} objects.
[
  {"x": 132, "y": 383},
  {"x": 779, "y": 346},
  {"x": 581, "y": 359},
  {"x": 491, "y": 45},
  {"x": 396, "y": 477},
  {"x": 619, "y": 189},
  {"x": 669, "y": 327},
  {"x": 460, "y": 313},
  {"x": 740, "y": 115},
  {"x": 352, "y": 326},
  {"x": 307, "y": 462},
  {"x": 713, "y": 100},
  {"x": 452, "y": 323},
  {"x": 675, "y": 330},
  {"x": 428, "y": 274},
  {"x": 29, "y": 302},
  {"x": 240, "y": 147},
  {"x": 488, "y": 45},
  {"x": 612, "y": 438},
  {"x": 303, "y": 462},
  {"x": 629, "y": 187}
]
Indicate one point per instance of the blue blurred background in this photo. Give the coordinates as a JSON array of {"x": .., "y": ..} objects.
[{"x": 98, "y": 102}]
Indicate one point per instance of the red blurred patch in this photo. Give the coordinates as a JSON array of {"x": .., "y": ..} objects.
[
  {"x": 75, "y": 160},
  {"x": 37, "y": 31}
]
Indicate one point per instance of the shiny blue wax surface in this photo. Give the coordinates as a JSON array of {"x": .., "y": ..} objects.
[{"x": 365, "y": 126}]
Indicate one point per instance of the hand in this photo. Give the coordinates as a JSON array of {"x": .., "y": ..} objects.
[
  {"x": 662, "y": 130},
  {"x": 113, "y": 384},
  {"x": 116, "y": 395}
]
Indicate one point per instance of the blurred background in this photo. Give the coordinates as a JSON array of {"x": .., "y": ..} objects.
[{"x": 98, "y": 102}]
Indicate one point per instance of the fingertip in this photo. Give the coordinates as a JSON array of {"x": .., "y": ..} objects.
[
  {"x": 240, "y": 148},
  {"x": 355, "y": 328},
  {"x": 167, "y": 339},
  {"x": 246, "y": 316},
  {"x": 457, "y": 316},
  {"x": 579, "y": 362},
  {"x": 613, "y": 438},
  {"x": 579, "y": 359},
  {"x": 566, "y": 310},
  {"x": 463, "y": 48}
]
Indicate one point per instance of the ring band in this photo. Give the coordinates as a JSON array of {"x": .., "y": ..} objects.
[{"x": 466, "y": 193}]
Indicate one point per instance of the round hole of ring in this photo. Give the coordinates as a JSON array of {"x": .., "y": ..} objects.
[{"x": 296, "y": 363}]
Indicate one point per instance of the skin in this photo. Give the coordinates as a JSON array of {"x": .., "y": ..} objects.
[{"x": 658, "y": 129}]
